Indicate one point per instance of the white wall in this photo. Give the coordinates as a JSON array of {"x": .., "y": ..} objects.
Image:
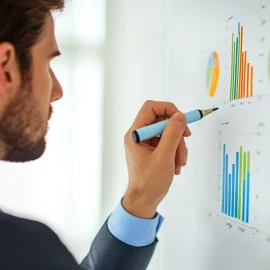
[{"x": 133, "y": 74}]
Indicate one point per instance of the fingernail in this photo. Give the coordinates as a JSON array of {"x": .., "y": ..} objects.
[{"x": 178, "y": 118}]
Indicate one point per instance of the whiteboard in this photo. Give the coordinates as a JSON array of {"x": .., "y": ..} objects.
[{"x": 217, "y": 213}]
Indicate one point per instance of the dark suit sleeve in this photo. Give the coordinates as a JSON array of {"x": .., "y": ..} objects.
[{"x": 109, "y": 253}]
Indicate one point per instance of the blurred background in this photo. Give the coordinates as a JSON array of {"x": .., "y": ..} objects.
[{"x": 112, "y": 62}]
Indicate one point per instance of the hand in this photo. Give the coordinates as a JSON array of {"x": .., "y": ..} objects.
[{"x": 152, "y": 164}]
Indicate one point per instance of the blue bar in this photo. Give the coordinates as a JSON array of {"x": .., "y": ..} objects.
[
  {"x": 236, "y": 185},
  {"x": 248, "y": 196},
  {"x": 230, "y": 195},
  {"x": 233, "y": 190},
  {"x": 236, "y": 67},
  {"x": 224, "y": 178},
  {"x": 227, "y": 184},
  {"x": 244, "y": 201}
]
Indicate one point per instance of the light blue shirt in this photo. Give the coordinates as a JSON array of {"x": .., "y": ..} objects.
[{"x": 134, "y": 231}]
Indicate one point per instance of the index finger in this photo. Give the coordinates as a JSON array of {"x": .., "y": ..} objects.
[{"x": 151, "y": 110}]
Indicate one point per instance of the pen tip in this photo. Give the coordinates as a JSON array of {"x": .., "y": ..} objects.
[{"x": 215, "y": 109}]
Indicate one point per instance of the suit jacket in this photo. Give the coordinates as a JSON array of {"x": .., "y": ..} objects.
[{"x": 30, "y": 245}]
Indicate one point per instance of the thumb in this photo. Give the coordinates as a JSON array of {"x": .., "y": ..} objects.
[{"x": 172, "y": 135}]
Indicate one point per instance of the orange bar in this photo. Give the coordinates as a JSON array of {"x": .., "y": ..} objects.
[
  {"x": 241, "y": 40},
  {"x": 251, "y": 81},
  {"x": 248, "y": 71},
  {"x": 244, "y": 75},
  {"x": 240, "y": 76}
]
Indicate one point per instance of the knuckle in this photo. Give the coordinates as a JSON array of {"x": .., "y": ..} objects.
[
  {"x": 172, "y": 106},
  {"x": 148, "y": 103}
]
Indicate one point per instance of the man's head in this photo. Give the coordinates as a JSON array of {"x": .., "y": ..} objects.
[{"x": 28, "y": 85}]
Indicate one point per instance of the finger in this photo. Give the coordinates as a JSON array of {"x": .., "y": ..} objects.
[
  {"x": 181, "y": 154},
  {"x": 177, "y": 171},
  {"x": 187, "y": 132},
  {"x": 172, "y": 135},
  {"x": 151, "y": 111},
  {"x": 162, "y": 118},
  {"x": 179, "y": 159}
]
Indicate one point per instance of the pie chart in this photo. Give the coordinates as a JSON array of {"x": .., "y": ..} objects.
[{"x": 213, "y": 70}]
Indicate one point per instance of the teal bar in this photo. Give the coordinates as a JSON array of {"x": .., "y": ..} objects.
[{"x": 232, "y": 70}]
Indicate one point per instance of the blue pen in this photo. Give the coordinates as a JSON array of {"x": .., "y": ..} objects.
[{"x": 156, "y": 129}]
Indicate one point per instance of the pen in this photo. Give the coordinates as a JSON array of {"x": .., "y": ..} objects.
[{"x": 156, "y": 129}]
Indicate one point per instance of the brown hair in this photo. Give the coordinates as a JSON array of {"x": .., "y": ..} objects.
[{"x": 21, "y": 24}]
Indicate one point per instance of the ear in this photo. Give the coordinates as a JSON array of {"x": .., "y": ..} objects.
[{"x": 9, "y": 69}]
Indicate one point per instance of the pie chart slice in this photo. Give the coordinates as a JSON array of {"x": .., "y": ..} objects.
[{"x": 213, "y": 70}]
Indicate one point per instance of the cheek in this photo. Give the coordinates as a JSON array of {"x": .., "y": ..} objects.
[
  {"x": 47, "y": 82},
  {"x": 42, "y": 88}
]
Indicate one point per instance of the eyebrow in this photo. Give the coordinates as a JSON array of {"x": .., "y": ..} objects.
[{"x": 55, "y": 54}]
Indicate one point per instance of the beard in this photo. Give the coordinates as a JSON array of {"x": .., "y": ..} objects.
[{"x": 22, "y": 128}]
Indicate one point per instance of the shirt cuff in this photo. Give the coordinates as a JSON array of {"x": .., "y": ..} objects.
[{"x": 134, "y": 231}]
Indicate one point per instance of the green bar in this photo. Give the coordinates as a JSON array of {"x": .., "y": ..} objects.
[
  {"x": 238, "y": 68},
  {"x": 245, "y": 167},
  {"x": 248, "y": 162},
  {"x": 240, "y": 184},
  {"x": 232, "y": 70}
]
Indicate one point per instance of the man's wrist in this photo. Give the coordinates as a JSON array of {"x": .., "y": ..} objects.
[
  {"x": 132, "y": 230},
  {"x": 137, "y": 206}
]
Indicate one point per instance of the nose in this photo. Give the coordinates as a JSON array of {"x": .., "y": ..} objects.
[{"x": 57, "y": 91}]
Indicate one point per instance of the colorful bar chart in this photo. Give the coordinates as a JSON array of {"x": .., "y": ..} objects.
[
  {"x": 236, "y": 185},
  {"x": 242, "y": 72}
]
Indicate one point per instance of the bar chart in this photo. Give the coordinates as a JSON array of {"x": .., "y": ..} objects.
[
  {"x": 236, "y": 184},
  {"x": 242, "y": 72}
]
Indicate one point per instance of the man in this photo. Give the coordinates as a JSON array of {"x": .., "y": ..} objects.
[{"x": 28, "y": 87}]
